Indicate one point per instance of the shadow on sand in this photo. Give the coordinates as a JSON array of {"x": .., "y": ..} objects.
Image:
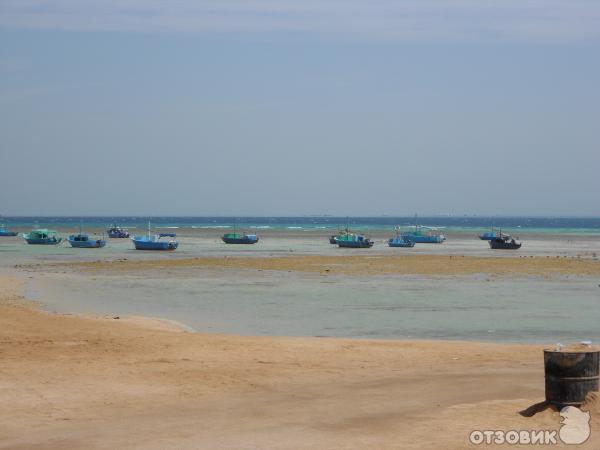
[{"x": 537, "y": 408}]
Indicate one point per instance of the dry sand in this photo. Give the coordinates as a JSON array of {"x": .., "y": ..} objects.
[{"x": 83, "y": 382}]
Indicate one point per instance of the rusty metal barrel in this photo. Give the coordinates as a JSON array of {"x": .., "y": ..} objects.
[{"x": 571, "y": 373}]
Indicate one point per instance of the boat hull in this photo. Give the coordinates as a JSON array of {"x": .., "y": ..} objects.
[
  {"x": 403, "y": 243},
  {"x": 47, "y": 241},
  {"x": 502, "y": 245},
  {"x": 242, "y": 240},
  {"x": 355, "y": 244},
  {"x": 424, "y": 239},
  {"x": 88, "y": 244},
  {"x": 164, "y": 246},
  {"x": 8, "y": 233}
]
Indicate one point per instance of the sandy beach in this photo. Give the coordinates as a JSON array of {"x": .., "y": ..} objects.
[{"x": 82, "y": 381}]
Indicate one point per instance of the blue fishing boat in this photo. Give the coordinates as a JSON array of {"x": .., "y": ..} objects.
[
  {"x": 6, "y": 232},
  {"x": 83, "y": 241},
  {"x": 154, "y": 241},
  {"x": 115, "y": 231},
  {"x": 353, "y": 240},
  {"x": 42, "y": 236},
  {"x": 424, "y": 235},
  {"x": 488, "y": 236},
  {"x": 239, "y": 238},
  {"x": 399, "y": 241}
]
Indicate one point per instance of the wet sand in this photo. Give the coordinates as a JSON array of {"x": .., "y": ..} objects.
[
  {"x": 431, "y": 265},
  {"x": 99, "y": 382}
]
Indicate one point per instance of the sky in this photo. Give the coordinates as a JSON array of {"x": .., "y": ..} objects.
[{"x": 264, "y": 107}]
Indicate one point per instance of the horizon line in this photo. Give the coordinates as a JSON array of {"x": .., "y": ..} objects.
[{"x": 227, "y": 216}]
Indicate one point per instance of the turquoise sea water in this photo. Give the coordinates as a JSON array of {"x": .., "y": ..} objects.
[{"x": 452, "y": 224}]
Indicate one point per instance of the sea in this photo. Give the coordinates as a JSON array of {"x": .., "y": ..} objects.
[
  {"x": 452, "y": 224},
  {"x": 480, "y": 307}
]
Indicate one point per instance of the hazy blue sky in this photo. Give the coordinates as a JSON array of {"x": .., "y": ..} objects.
[{"x": 288, "y": 107}]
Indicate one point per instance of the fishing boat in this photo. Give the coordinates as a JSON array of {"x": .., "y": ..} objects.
[
  {"x": 424, "y": 235},
  {"x": 488, "y": 236},
  {"x": 81, "y": 240},
  {"x": 353, "y": 240},
  {"x": 239, "y": 238},
  {"x": 42, "y": 236},
  {"x": 420, "y": 234},
  {"x": 6, "y": 232},
  {"x": 154, "y": 241},
  {"x": 399, "y": 240},
  {"x": 341, "y": 233},
  {"x": 84, "y": 241},
  {"x": 115, "y": 231},
  {"x": 504, "y": 242}
]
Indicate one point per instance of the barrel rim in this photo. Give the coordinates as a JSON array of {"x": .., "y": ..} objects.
[{"x": 570, "y": 352}]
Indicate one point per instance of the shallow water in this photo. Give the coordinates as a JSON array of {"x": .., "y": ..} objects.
[
  {"x": 281, "y": 303},
  {"x": 292, "y": 304}
]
